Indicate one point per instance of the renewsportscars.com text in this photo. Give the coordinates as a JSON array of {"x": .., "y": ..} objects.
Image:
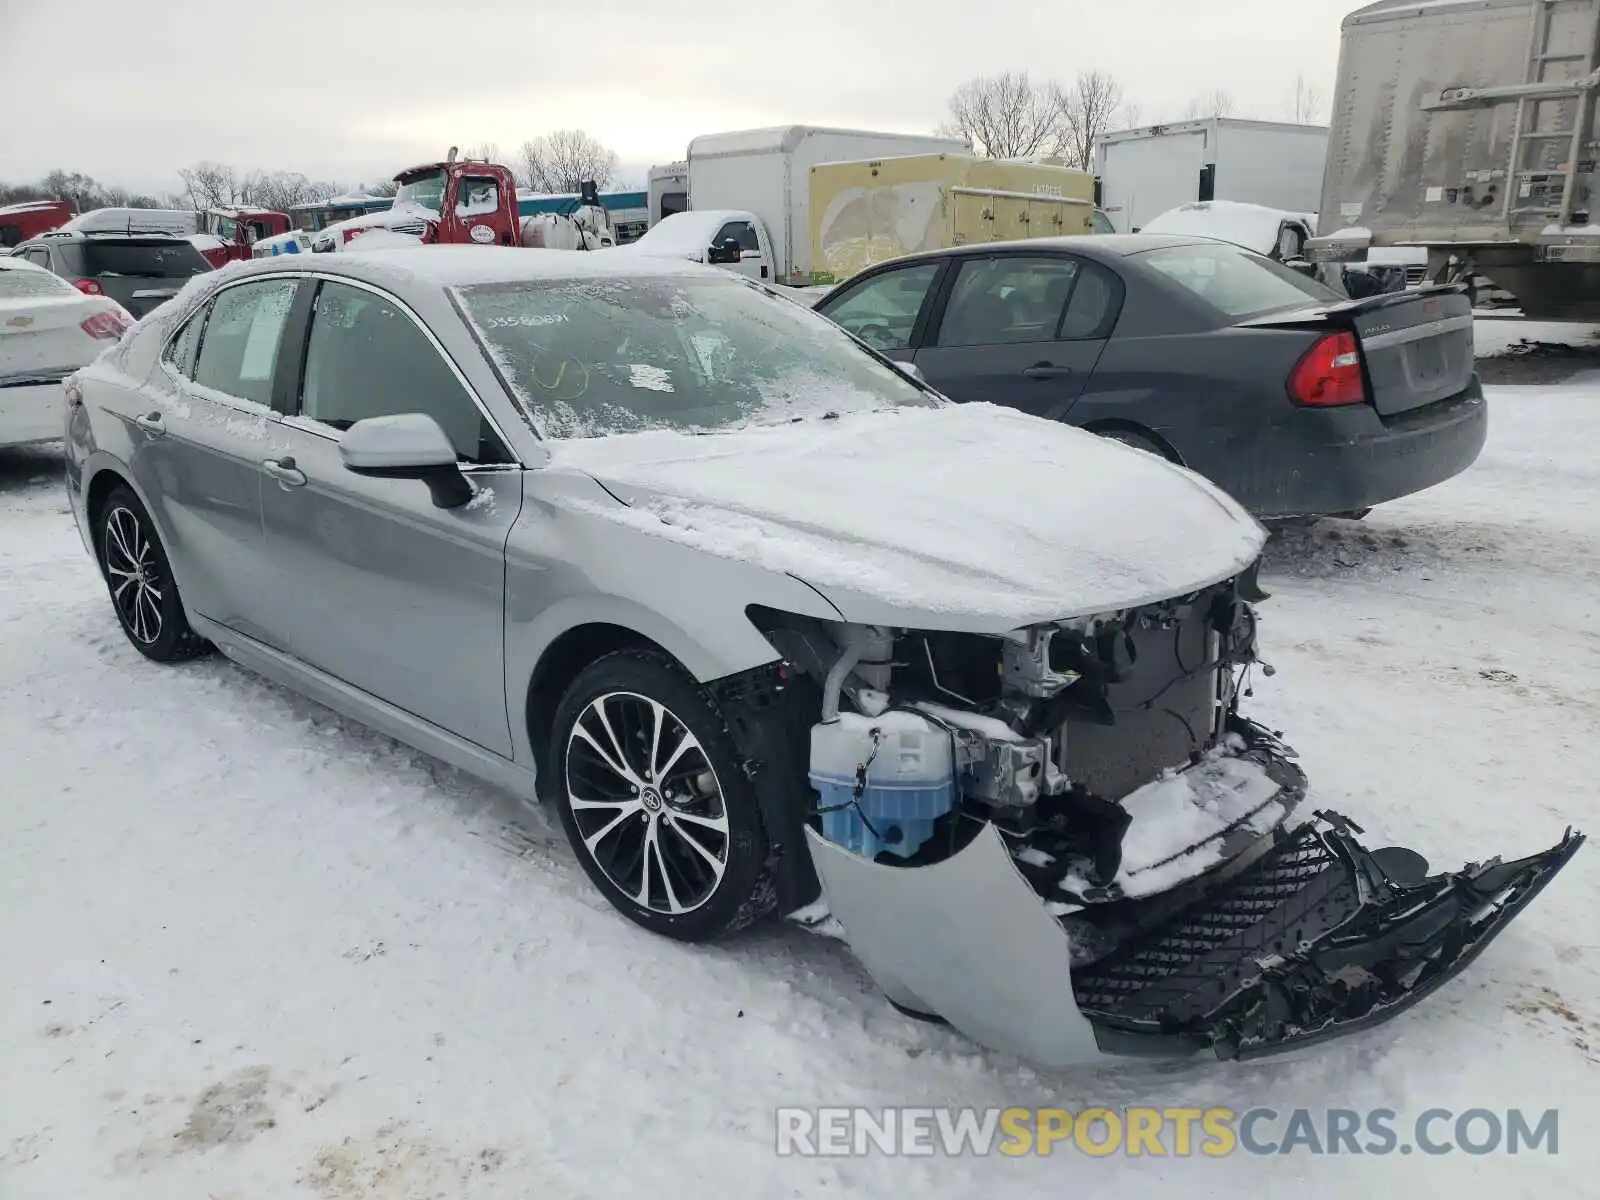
[{"x": 1161, "y": 1132}]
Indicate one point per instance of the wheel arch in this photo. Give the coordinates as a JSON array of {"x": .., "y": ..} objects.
[
  {"x": 102, "y": 483},
  {"x": 1121, "y": 425},
  {"x": 560, "y": 663}
]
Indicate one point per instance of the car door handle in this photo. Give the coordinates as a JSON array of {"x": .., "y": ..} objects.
[
  {"x": 151, "y": 424},
  {"x": 284, "y": 471},
  {"x": 1046, "y": 370}
]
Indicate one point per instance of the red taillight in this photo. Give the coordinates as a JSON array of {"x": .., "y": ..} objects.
[
  {"x": 1329, "y": 375},
  {"x": 108, "y": 326},
  {"x": 88, "y": 287}
]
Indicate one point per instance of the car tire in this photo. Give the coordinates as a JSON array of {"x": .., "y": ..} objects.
[
  {"x": 139, "y": 578},
  {"x": 655, "y": 799}
]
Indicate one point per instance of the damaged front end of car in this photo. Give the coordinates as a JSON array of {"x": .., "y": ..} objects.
[{"x": 1067, "y": 842}]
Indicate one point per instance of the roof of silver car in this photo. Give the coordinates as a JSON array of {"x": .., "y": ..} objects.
[{"x": 466, "y": 265}]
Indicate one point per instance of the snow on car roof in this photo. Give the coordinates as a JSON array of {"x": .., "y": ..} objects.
[
  {"x": 8, "y": 263},
  {"x": 463, "y": 266}
]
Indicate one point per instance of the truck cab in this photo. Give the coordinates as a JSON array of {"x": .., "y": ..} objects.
[
  {"x": 454, "y": 202},
  {"x": 236, "y": 231},
  {"x": 735, "y": 239}
]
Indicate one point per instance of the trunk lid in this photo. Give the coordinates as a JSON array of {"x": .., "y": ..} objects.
[
  {"x": 1417, "y": 345},
  {"x": 44, "y": 334}
]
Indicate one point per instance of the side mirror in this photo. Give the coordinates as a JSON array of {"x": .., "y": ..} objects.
[
  {"x": 407, "y": 446},
  {"x": 724, "y": 252}
]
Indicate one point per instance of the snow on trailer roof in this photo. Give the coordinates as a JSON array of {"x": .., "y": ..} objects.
[
  {"x": 28, "y": 206},
  {"x": 1200, "y": 124},
  {"x": 1390, "y": 10},
  {"x": 785, "y": 138}
]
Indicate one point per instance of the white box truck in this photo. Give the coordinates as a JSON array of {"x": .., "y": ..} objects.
[
  {"x": 1146, "y": 172},
  {"x": 767, "y": 172}
]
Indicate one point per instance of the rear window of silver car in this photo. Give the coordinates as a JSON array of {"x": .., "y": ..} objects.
[
  {"x": 591, "y": 357},
  {"x": 1237, "y": 283},
  {"x": 24, "y": 284}
]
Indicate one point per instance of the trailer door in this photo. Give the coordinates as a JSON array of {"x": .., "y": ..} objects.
[{"x": 1144, "y": 177}]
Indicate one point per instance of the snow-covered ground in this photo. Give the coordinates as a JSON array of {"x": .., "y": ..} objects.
[{"x": 248, "y": 949}]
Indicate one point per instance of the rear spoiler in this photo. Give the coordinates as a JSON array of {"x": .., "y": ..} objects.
[{"x": 1353, "y": 308}]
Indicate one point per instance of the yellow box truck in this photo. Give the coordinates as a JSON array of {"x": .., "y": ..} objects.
[{"x": 865, "y": 212}]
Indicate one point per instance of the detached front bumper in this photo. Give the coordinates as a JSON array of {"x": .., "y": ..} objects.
[{"x": 1318, "y": 937}]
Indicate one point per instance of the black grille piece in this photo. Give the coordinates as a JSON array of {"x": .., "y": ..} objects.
[{"x": 1189, "y": 966}]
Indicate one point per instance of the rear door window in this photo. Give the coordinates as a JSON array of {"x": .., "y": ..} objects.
[
  {"x": 239, "y": 353},
  {"x": 1005, "y": 301},
  {"x": 882, "y": 311},
  {"x": 1236, "y": 283},
  {"x": 159, "y": 260}
]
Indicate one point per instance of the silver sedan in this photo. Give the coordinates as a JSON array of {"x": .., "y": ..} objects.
[{"x": 773, "y": 625}]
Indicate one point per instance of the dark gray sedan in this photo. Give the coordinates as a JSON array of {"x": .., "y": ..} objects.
[{"x": 1294, "y": 399}]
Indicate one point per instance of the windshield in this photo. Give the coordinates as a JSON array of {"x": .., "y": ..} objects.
[
  {"x": 1236, "y": 282},
  {"x": 425, "y": 191},
  {"x": 593, "y": 357},
  {"x": 15, "y": 284}
]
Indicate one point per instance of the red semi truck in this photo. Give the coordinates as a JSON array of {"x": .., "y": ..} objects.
[{"x": 472, "y": 202}]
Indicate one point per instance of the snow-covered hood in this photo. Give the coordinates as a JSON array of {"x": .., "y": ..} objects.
[
  {"x": 388, "y": 218},
  {"x": 1251, "y": 226},
  {"x": 964, "y": 517},
  {"x": 685, "y": 234}
]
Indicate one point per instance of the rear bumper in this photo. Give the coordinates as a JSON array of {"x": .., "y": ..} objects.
[
  {"x": 1337, "y": 461},
  {"x": 32, "y": 411}
]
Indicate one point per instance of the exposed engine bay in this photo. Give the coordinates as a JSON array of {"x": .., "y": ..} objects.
[
  {"x": 1083, "y": 802},
  {"x": 924, "y": 735}
]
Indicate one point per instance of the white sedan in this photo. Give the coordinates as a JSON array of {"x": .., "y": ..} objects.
[{"x": 48, "y": 329}]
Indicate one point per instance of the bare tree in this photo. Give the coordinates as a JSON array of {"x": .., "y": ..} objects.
[
  {"x": 1215, "y": 103},
  {"x": 1009, "y": 116},
  {"x": 1089, "y": 107},
  {"x": 561, "y": 162},
  {"x": 280, "y": 190},
  {"x": 484, "y": 152},
  {"x": 1305, "y": 103},
  {"x": 210, "y": 185},
  {"x": 1128, "y": 116}
]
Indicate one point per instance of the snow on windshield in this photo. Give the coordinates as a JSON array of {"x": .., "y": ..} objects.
[
  {"x": 425, "y": 192},
  {"x": 591, "y": 357}
]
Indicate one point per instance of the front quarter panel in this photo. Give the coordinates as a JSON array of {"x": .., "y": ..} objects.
[{"x": 569, "y": 565}]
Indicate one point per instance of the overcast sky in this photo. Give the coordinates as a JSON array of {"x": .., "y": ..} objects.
[{"x": 353, "y": 90}]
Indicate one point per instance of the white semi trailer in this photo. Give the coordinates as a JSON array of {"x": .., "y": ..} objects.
[{"x": 1465, "y": 129}]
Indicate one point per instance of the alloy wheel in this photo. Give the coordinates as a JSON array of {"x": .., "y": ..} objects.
[
  {"x": 647, "y": 803},
  {"x": 138, "y": 585}
]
